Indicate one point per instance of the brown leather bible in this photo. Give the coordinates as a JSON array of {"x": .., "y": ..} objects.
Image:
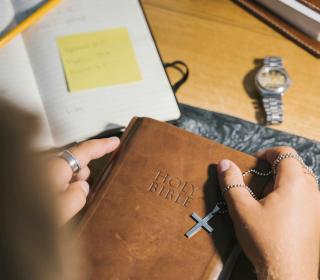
[
  {"x": 160, "y": 183},
  {"x": 282, "y": 26}
]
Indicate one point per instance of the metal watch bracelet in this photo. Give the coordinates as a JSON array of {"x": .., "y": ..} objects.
[
  {"x": 274, "y": 110},
  {"x": 273, "y": 106},
  {"x": 273, "y": 61}
]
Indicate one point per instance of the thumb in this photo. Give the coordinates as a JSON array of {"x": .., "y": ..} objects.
[
  {"x": 72, "y": 200},
  {"x": 238, "y": 199}
]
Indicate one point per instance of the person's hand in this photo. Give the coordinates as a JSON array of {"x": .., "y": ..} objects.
[
  {"x": 72, "y": 190},
  {"x": 280, "y": 234}
]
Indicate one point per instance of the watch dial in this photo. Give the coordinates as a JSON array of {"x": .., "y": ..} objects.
[{"x": 272, "y": 79}]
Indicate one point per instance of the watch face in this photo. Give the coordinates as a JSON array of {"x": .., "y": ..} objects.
[{"x": 272, "y": 79}]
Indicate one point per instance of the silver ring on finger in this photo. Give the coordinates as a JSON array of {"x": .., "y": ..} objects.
[{"x": 75, "y": 165}]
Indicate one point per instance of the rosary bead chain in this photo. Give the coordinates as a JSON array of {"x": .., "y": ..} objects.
[
  {"x": 239, "y": 185},
  {"x": 222, "y": 211},
  {"x": 272, "y": 172},
  {"x": 291, "y": 155},
  {"x": 256, "y": 172}
]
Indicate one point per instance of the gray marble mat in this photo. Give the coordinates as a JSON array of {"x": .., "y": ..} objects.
[{"x": 245, "y": 136}]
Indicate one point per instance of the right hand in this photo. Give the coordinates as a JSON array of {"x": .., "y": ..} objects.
[
  {"x": 73, "y": 190},
  {"x": 280, "y": 233}
]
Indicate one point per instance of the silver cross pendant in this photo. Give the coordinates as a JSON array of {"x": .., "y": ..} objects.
[{"x": 202, "y": 223}]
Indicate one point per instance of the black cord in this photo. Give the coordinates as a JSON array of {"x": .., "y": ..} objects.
[{"x": 185, "y": 74}]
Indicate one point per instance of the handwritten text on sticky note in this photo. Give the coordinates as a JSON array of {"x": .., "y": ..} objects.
[{"x": 98, "y": 59}]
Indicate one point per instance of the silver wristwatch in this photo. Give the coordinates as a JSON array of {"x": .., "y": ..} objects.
[{"x": 272, "y": 82}]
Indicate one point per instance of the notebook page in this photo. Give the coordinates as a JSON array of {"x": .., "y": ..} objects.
[
  {"x": 81, "y": 114},
  {"x": 18, "y": 85}
]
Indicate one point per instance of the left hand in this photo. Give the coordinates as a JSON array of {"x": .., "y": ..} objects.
[{"x": 73, "y": 190}]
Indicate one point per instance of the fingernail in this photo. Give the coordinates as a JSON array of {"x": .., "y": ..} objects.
[
  {"x": 223, "y": 165},
  {"x": 114, "y": 138},
  {"x": 85, "y": 187}
]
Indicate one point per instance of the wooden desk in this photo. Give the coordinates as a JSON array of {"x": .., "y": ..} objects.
[{"x": 222, "y": 44}]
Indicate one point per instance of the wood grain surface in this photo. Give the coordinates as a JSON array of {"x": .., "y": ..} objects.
[{"x": 224, "y": 46}]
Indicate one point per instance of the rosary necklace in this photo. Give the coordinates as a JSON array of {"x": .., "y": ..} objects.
[{"x": 202, "y": 223}]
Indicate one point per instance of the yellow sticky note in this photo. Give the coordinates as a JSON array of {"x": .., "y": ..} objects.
[{"x": 98, "y": 59}]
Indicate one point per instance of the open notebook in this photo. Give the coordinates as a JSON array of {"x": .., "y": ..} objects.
[{"x": 34, "y": 71}]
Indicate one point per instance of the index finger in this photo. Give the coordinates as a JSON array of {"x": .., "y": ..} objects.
[
  {"x": 61, "y": 171},
  {"x": 289, "y": 170}
]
